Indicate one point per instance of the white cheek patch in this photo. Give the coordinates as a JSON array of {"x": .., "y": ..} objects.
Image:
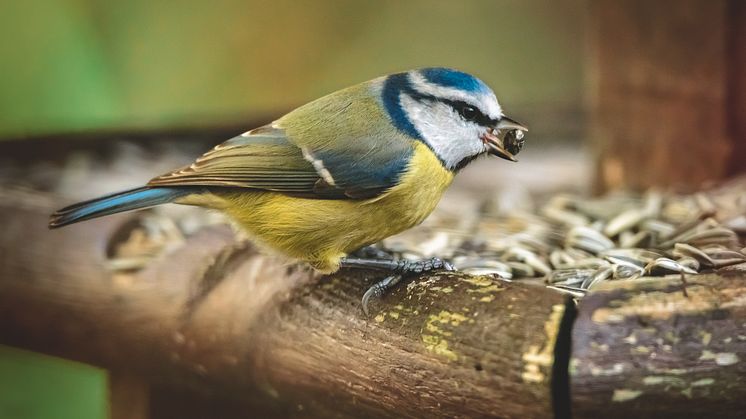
[{"x": 447, "y": 134}]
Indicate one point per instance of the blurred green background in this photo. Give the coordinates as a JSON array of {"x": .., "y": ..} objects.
[
  {"x": 81, "y": 65},
  {"x": 72, "y": 65},
  {"x": 38, "y": 386}
]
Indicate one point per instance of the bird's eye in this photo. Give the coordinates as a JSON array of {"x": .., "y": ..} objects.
[{"x": 468, "y": 112}]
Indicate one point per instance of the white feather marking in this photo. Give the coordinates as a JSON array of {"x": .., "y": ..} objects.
[
  {"x": 318, "y": 165},
  {"x": 447, "y": 134}
]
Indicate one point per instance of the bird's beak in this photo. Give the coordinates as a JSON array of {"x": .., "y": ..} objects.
[{"x": 506, "y": 139}]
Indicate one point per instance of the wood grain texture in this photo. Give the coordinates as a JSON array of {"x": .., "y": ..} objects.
[
  {"x": 271, "y": 337},
  {"x": 655, "y": 348}
]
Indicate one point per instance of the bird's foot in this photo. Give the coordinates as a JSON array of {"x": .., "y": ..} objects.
[
  {"x": 378, "y": 289},
  {"x": 421, "y": 266},
  {"x": 399, "y": 269},
  {"x": 400, "y": 266}
]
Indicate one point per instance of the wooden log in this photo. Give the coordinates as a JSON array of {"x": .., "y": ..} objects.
[
  {"x": 270, "y": 336},
  {"x": 661, "y": 348},
  {"x": 271, "y": 339}
]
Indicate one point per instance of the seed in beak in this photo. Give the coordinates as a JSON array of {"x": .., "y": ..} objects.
[{"x": 514, "y": 140}]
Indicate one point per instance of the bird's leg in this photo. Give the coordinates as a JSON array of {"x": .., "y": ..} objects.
[{"x": 398, "y": 268}]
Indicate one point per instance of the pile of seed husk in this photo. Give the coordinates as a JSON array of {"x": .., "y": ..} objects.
[{"x": 576, "y": 243}]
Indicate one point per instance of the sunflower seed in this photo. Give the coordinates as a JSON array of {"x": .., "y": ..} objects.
[
  {"x": 573, "y": 291},
  {"x": 562, "y": 216},
  {"x": 520, "y": 254},
  {"x": 685, "y": 250},
  {"x": 588, "y": 239},
  {"x": 663, "y": 265},
  {"x": 627, "y": 271},
  {"x": 561, "y": 259},
  {"x": 569, "y": 276},
  {"x": 625, "y": 221},
  {"x": 640, "y": 239},
  {"x": 689, "y": 262},
  {"x": 600, "y": 275}
]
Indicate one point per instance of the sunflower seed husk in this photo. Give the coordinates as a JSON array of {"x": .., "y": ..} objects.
[
  {"x": 526, "y": 256},
  {"x": 482, "y": 266},
  {"x": 627, "y": 271},
  {"x": 643, "y": 256},
  {"x": 659, "y": 227},
  {"x": 576, "y": 243},
  {"x": 689, "y": 262},
  {"x": 705, "y": 204},
  {"x": 639, "y": 239},
  {"x": 666, "y": 265},
  {"x": 570, "y": 276},
  {"x": 588, "y": 239},
  {"x": 600, "y": 275},
  {"x": 686, "y": 250},
  {"x": 561, "y": 259},
  {"x": 563, "y": 216},
  {"x": 573, "y": 291},
  {"x": 722, "y": 253},
  {"x": 590, "y": 263},
  {"x": 625, "y": 221}
]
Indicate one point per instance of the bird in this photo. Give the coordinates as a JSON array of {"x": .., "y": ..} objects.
[{"x": 339, "y": 173}]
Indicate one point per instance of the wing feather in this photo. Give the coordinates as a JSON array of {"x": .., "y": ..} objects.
[
  {"x": 337, "y": 147},
  {"x": 261, "y": 159}
]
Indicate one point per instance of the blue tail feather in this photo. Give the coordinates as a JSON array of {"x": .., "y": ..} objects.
[{"x": 119, "y": 202}]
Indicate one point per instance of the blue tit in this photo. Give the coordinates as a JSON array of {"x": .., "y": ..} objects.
[{"x": 339, "y": 173}]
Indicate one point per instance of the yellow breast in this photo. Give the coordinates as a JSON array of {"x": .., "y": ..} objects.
[{"x": 323, "y": 231}]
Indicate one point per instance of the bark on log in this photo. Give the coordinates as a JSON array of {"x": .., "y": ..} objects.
[
  {"x": 661, "y": 348},
  {"x": 270, "y": 339},
  {"x": 271, "y": 336}
]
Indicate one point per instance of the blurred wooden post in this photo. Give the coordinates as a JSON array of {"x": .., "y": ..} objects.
[
  {"x": 737, "y": 83},
  {"x": 128, "y": 396},
  {"x": 665, "y": 89}
]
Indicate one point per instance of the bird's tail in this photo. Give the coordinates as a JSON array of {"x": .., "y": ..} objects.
[{"x": 119, "y": 202}]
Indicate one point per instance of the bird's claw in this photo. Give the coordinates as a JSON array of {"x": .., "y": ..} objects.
[
  {"x": 405, "y": 267},
  {"x": 378, "y": 289}
]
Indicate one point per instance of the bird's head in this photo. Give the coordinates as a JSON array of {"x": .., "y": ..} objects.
[{"x": 453, "y": 113}]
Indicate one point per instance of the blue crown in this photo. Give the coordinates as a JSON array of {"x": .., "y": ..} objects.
[{"x": 447, "y": 77}]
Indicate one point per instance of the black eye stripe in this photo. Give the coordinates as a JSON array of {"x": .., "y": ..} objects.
[
  {"x": 457, "y": 105},
  {"x": 479, "y": 117}
]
